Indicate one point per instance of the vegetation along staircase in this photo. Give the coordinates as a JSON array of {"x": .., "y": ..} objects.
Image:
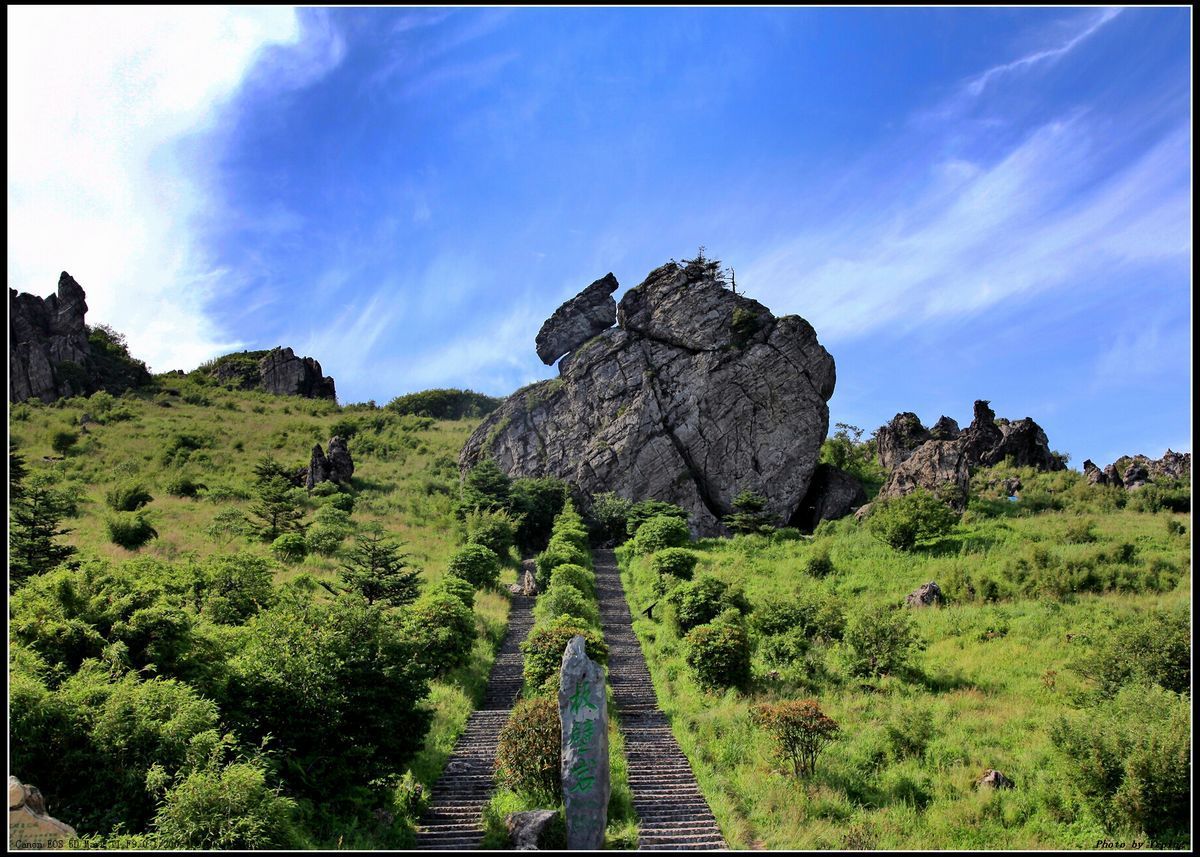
[
  {"x": 672, "y": 812},
  {"x": 453, "y": 819}
]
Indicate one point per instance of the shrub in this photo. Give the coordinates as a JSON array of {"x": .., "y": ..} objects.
[
  {"x": 127, "y": 498},
  {"x": 495, "y": 530},
  {"x": 1129, "y": 760},
  {"x": 556, "y": 554},
  {"x": 130, "y": 530},
  {"x": 1080, "y": 531},
  {"x": 290, "y": 548},
  {"x": 801, "y": 731},
  {"x": 1175, "y": 528},
  {"x": 909, "y": 730},
  {"x": 236, "y": 587},
  {"x": 1166, "y": 495},
  {"x": 544, "y": 647},
  {"x": 477, "y": 564},
  {"x": 63, "y": 441},
  {"x": 324, "y": 540},
  {"x": 565, "y": 600},
  {"x": 228, "y": 808},
  {"x": 574, "y": 575},
  {"x": 442, "y": 630},
  {"x": 675, "y": 562},
  {"x": 812, "y": 610},
  {"x": 227, "y": 524},
  {"x": 748, "y": 515},
  {"x": 661, "y": 532},
  {"x": 819, "y": 564},
  {"x": 901, "y": 522},
  {"x": 880, "y": 642},
  {"x": 452, "y": 584},
  {"x": 719, "y": 652},
  {"x": 641, "y": 512},
  {"x": 486, "y": 488},
  {"x": 183, "y": 486},
  {"x": 702, "y": 600},
  {"x": 1154, "y": 648},
  {"x": 536, "y": 503},
  {"x": 611, "y": 515},
  {"x": 528, "y": 755}
]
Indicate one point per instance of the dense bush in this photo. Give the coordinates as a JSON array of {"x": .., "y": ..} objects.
[
  {"x": 556, "y": 554},
  {"x": 329, "y": 529},
  {"x": 180, "y": 485},
  {"x": 445, "y": 404},
  {"x": 574, "y": 575},
  {"x": 641, "y": 512},
  {"x": 441, "y": 630},
  {"x": 901, "y": 522},
  {"x": 63, "y": 441},
  {"x": 127, "y": 498},
  {"x": 1159, "y": 496},
  {"x": 702, "y": 600},
  {"x": 536, "y": 503},
  {"x": 544, "y": 647},
  {"x": 661, "y": 532},
  {"x": 674, "y": 562},
  {"x": 477, "y": 564},
  {"x": 337, "y": 685},
  {"x": 801, "y": 731},
  {"x": 1153, "y": 648},
  {"x": 565, "y": 600},
  {"x": 290, "y": 548},
  {"x": 784, "y": 628},
  {"x": 1129, "y": 760},
  {"x": 235, "y": 587},
  {"x": 494, "y": 529},
  {"x": 452, "y": 584},
  {"x": 610, "y": 515},
  {"x": 130, "y": 530},
  {"x": 528, "y": 756},
  {"x": 486, "y": 488},
  {"x": 880, "y": 642},
  {"x": 719, "y": 652},
  {"x": 819, "y": 564}
]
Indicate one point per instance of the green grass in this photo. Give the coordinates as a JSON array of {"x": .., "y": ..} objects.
[
  {"x": 989, "y": 682},
  {"x": 406, "y": 480}
]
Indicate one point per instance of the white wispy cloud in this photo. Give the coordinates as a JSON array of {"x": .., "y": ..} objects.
[
  {"x": 978, "y": 83},
  {"x": 97, "y": 98}
]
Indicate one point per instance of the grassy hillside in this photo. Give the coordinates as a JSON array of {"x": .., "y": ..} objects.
[
  {"x": 189, "y": 437},
  {"x": 1066, "y": 616}
]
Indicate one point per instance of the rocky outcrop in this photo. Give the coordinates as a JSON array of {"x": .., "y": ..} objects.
[
  {"x": 1134, "y": 471},
  {"x": 337, "y": 466},
  {"x": 898, "y": 439},
  {"x": 48, "y": 343},
  {"x": 697, "y": 395},
  {"x": 590, "y": 312},
  {"x": 938, "y": 466},
  {"x": 926, "y": 595},
  {"x": 832, "y": 494},
  {"x": 531, "y": 830},
  {"x": 987, "y": 441},
  {"x": 282, "y": 373},
  {"x": 994, "y": 780}
]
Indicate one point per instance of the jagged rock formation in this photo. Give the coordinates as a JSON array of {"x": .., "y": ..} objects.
[
  {"x": 1132, "y": 472},
  {"x": 590, "y": 312},
  {"x": 832, "y": 494},
  {"x": 944, "y": 429},
  {"x": 897, "y": 440},
  {"x": 939, "y": 466},
  {"x": 335, "y": 467},
  {"x": 285, "y": 374},
  {"x": 926, "y": 595},
  {"x": 697, "y": 395},
  {"x": 52, "y": 353}
]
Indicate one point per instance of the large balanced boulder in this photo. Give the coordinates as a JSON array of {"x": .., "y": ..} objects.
[
  {"x": 697, "y": 395},
  {"x": 282, "y": 373},
  {"x": 590, "y": 312}
]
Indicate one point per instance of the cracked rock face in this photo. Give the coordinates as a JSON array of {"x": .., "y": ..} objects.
[
  {"x": 44, "y": 333},
  {"x": 590, "y": 312},
  {"x": 285, "y": 374},
  {"x": 697, "y": 395}
]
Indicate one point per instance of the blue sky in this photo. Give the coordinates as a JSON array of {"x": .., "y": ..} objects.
[{"x": 966, "y": 203}]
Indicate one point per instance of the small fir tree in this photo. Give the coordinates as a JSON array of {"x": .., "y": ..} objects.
[{"x": 376, "y": 569}]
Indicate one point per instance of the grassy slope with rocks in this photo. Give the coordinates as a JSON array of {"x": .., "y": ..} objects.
[
  {"x": 406, "y": 481},
  {"x": 1045, "y": 597}
]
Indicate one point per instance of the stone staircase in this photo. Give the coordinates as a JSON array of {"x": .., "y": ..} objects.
[
  {"x": 673, "y": 813},
  {"x": 453, "y": 819}
]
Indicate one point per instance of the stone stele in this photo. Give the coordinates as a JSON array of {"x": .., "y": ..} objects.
[
  {"x": 583, "y": 713},
  {"x": 28, "y": 824}
]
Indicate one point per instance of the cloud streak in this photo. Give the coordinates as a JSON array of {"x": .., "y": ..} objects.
[{"x": 97, "y": 184}]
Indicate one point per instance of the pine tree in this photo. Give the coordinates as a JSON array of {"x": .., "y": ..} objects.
[
  {"x": 748, "y": 515},
  {"x": 377, "y": 570},
  {"x": 37, "y": 508},
  {"x": 276, "y": 509}
]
